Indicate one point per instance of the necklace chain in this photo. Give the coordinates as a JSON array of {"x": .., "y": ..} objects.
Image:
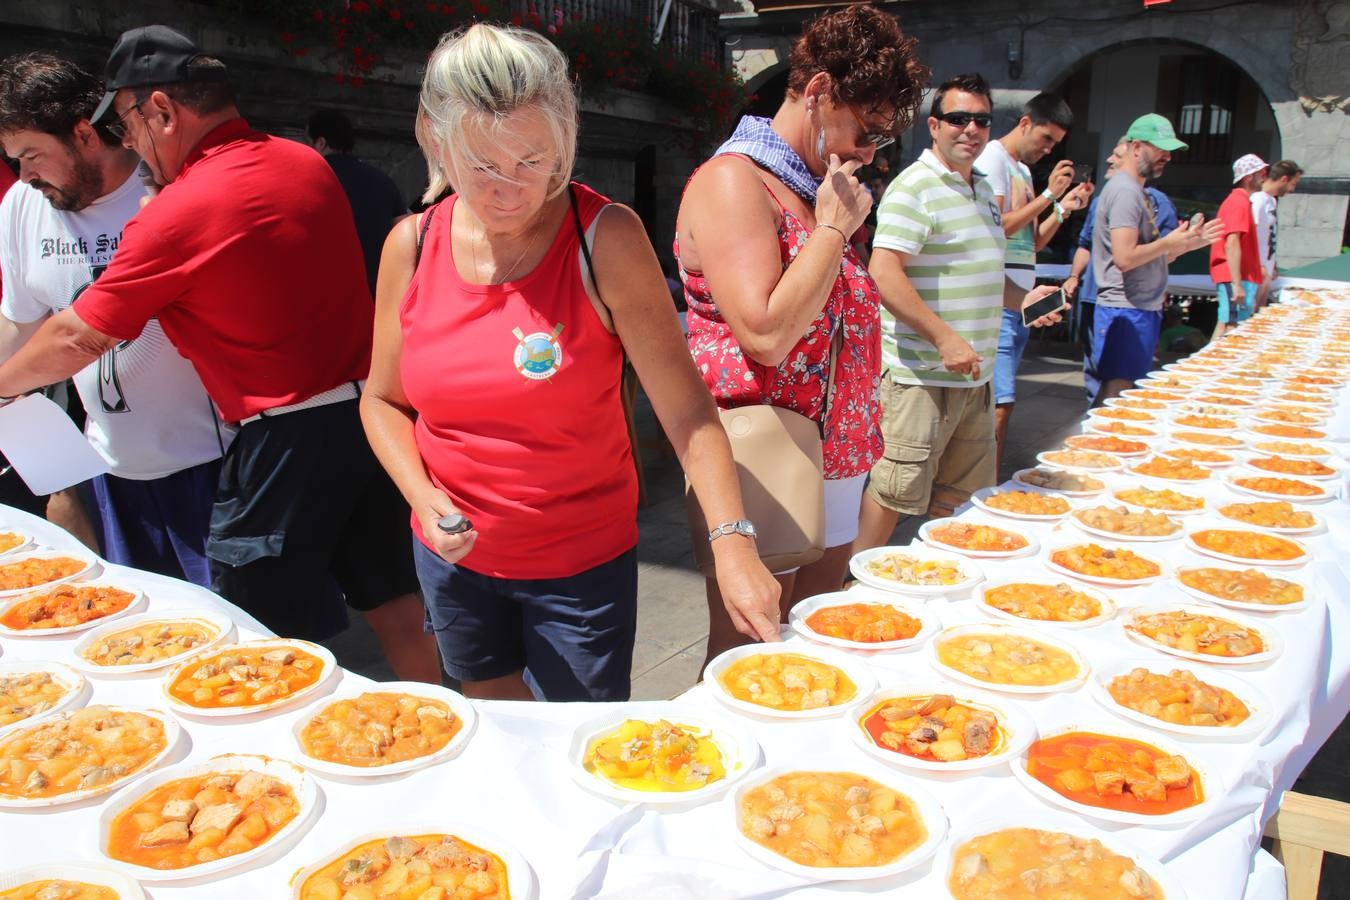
[{"x": 506, "y": 276}]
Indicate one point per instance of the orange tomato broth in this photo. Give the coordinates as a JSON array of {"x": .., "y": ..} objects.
[
  {"x": 1049, "y": 756},
  {"x": 1247, "y": 544},
  {"x": 33, "y": 890},
  {"x": 299, "y": 679},
  {"x": 258, "y": 821},
  {"x": 864, "y": 623},
  {"x": 61, "y": 606},
  {"x": 875, "y": 726},
  {"x": 32, "y": 573},
  {"x": 451, "y": 871},
  {"x": 8, "y": 541}
]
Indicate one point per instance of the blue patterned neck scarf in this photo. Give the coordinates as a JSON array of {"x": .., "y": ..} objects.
[{"x": 754, "y": 137}]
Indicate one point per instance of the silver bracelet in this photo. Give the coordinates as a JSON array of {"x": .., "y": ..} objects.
[{"x": 820, "y": 225}]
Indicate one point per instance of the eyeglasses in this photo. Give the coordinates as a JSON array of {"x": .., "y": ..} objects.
[
  {"x": 118, "y": 129},
  {"x": 876, "y": 139},
  {"x": 960, "y": 120}
]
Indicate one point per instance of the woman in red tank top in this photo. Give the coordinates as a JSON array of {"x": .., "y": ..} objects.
[
  {"x": 770, "y": 274},
  {"x": 494, "y": 387}
]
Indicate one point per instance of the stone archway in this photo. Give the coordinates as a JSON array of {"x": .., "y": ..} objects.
[{"x": 1215, "y": 105}]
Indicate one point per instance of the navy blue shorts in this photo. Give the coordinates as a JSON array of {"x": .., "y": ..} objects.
[
  {"x": 573, "y": 636},
  {"x": 1123, "y": 343},
  {"x": 159, "y": 525}
]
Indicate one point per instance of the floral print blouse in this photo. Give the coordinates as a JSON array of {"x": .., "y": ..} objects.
[{"x": 852, "y": 434}]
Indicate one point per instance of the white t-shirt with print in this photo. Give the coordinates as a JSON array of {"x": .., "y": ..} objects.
[
  {"x": 1011, "y": 179},
  {"x": 1264, "y": 217},
  {"x": 149, "y": 415}
]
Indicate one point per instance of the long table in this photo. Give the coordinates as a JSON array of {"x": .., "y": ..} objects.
[{"x": 513, "y": 777}]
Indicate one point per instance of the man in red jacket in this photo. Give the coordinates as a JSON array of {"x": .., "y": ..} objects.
[
  {"x": 1235, "y": 261},
  {"x": 250, "y": 262}
]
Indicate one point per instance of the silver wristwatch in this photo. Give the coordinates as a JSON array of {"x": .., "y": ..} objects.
[{"x": 741, "y": 526}]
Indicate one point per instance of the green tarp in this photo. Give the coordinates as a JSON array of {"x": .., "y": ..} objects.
[{"x": 1337, "y": 268}]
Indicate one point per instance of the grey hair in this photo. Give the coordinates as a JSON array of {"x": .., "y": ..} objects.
[{"x": 483, "y": 74}]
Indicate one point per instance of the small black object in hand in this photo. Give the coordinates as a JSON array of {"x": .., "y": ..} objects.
[{"x": 454, "y": 524}]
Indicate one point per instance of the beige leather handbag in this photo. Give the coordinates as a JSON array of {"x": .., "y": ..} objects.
[{"x": 780, "y": 467}]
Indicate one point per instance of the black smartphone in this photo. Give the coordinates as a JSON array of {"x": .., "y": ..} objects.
[
  {"x": 454, "y": 524},
  {"x": 1082, "y": 172},
  {"x": 1044, "y": 307}
]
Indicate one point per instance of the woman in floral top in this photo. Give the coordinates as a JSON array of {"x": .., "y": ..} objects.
[{"x": 772, "y": 281}]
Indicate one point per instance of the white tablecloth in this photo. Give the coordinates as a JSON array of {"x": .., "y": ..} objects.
[{"x": 512, "y": 777}]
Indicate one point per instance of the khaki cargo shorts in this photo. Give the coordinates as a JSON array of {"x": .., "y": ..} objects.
[{"x": 935, "y": 436}]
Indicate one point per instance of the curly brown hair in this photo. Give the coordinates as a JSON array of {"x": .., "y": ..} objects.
[{"x": 870, "y": 61}]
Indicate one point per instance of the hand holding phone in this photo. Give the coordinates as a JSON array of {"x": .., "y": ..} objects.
[
  {"x": 1197, "y": 220},
  {"x": 1050, "y": 303}
]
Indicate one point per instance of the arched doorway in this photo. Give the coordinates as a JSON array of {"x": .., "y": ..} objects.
[{"x": 1216, "y": 107}]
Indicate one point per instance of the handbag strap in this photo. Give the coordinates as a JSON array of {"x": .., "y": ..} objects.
[
  {"x": 836, "y": 343},
  {"x": 581, "y": 238},
  {"x": 422, "y": 234}
]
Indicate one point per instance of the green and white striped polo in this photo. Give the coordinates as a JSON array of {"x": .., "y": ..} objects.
[{"x": 954, "y": 239}]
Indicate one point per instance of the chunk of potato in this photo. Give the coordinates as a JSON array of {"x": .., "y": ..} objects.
[
  {"x": 817, "y": 829},
  {"x": 235, "y": 843},
  {"x": 1074, "y": 780},
  {"x": 323, "y": 890},
  {"x": 254, "y": 827},
  {"x": 146, "y": 821},
  {"x": 857, "y": 850},
  {"x": 207, "y": 837},
  {"x": 882, "y": 801},
  {"x": 894, "y": 820},
  {"x": 948, "y": 750}
]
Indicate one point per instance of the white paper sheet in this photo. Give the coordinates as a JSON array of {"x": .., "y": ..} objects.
[{"x": 45, "y": 448}]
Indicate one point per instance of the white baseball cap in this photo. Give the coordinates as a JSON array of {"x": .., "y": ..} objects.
[{"x": 1246, "y": 165}]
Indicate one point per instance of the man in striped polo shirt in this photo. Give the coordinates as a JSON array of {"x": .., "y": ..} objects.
[{"x": 938, "y": 258}]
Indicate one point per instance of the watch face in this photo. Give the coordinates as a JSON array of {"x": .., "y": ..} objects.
[{"x": 746, "y": 527}]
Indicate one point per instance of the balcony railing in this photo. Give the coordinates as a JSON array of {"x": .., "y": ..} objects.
[{"x": 689, "y": 30}]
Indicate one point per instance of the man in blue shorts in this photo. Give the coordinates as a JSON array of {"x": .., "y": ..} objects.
[
  {"x": 1130, "y": 258},
  {"x": 1080, "y": 274}
]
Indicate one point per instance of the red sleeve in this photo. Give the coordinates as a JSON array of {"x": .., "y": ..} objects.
[
  {"x": 1234, "y": 222},
  {"x": 143, "y": 278},
  {"x": 7, "y": 181}
]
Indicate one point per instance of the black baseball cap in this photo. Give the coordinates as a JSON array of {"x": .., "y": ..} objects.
[{"x": 152, "y": 54}]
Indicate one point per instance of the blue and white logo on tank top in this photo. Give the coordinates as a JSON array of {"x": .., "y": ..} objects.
[{"x": 539, "y": 355}]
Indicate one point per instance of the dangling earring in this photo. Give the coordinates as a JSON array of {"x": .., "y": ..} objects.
[{"x": 820, "y": 135}]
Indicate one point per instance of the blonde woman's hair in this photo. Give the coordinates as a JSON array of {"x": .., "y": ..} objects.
[{"x": 483, "y": 74}]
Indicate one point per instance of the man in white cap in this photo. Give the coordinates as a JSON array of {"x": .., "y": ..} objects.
[{"x": 1235, "y": 261}]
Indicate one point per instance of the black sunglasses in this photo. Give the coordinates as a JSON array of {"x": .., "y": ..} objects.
[
  {"x": 962, "y": 119},
  {"x": 118, "y": 128}
]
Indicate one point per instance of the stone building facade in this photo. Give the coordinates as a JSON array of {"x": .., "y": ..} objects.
[
  {"x": 1275, "y": 73},
  {"x": 631, "y": 146}
]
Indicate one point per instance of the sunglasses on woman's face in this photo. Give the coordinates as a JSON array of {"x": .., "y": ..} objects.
[
  {"x": 876, "y": 139},
  {"x": 961, "y": 120}
]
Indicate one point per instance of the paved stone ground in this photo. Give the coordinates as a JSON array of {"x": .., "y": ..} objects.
[{"x": 672, "y": 610}]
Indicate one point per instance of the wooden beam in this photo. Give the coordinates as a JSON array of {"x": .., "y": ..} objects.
[{"x": 1312, "y": 822}]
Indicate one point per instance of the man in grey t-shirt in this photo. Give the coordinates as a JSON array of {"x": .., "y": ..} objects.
[{"x": 1129, "y": 259}]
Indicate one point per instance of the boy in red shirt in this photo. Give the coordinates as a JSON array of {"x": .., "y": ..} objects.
[{"x": 1235, "y": 261}]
